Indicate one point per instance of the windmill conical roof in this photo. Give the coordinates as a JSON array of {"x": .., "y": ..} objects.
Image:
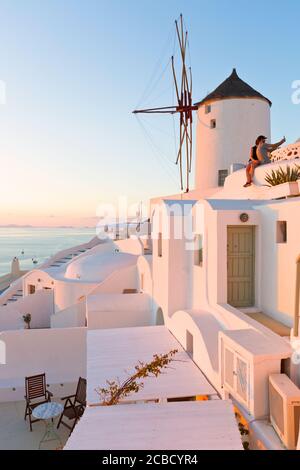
[{"x": 233, "y": 87}]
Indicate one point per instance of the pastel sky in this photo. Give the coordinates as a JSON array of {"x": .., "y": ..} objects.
[{"x": 73, "y": 71}]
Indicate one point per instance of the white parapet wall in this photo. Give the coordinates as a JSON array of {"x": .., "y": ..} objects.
[
  {"x": 119, "y": 311},
  {"x": 60, "y": 353},
  {"x": 288, "y": 152},
  {"x": 197, "y": 332},
  {"x": 70, "y": 317},
  {"x": 40, "y": 306},
  {"x": 234, "y": 183}
]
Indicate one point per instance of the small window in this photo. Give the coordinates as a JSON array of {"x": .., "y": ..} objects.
[
  {"x": 31, "y": 289},
  {"x": 198, "y": 251},
  {"x": 213, "y": 123},
  {"x": 281, "y": 235},
  {"x": 159, "y": 245},
  {"x": 130, "y": 291},
  {"x": 222, "y": 175},
  {"x": 207, "y": 108},
  {"x": 142, "y": 281}
]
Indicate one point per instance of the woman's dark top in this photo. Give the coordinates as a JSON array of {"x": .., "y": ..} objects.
[{"x": 254, "y": 154}]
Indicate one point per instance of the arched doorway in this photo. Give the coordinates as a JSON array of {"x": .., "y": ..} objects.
[{"x": 159, "y": 317}]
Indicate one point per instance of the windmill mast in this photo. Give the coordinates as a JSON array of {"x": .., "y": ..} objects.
[{"x": 184, "y": 108}]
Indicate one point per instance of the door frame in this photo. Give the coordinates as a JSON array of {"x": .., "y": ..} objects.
[{"x": 254, "y": 263}]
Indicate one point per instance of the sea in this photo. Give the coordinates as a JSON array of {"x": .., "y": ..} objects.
[{"x": 37, "y": 244}]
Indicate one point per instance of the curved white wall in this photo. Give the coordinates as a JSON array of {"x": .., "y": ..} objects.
[{"x": 238, "y": 123}]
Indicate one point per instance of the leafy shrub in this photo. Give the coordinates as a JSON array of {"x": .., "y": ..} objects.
[{"x": 115, "y": 390}]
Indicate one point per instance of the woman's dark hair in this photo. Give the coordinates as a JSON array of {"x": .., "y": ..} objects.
[{"x": 259, "y": 139}]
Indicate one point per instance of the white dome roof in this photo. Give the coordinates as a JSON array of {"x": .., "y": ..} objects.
[{"x": 97, "y": 267}]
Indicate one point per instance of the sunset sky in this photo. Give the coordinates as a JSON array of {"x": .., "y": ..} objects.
[{"x": 73, "y": 70}]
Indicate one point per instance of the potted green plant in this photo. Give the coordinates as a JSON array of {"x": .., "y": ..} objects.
[
  {"x": 284, "y": 182},
  {"x": 27, "y": 320},
  {"x": 283, "y": 175}
]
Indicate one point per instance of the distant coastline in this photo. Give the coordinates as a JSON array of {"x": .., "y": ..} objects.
[{"x": 30, "y": 244}]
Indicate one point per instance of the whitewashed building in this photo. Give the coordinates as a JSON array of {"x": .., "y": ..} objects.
[{"x": 221, "y": 272}]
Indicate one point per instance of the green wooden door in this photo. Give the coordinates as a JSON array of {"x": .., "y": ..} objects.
[{"x": 240, "y": 266}]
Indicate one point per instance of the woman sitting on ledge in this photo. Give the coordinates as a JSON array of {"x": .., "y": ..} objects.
[{"x": 259, "y": 155}]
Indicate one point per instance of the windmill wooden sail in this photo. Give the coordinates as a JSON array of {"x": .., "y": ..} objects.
[{"x": 184, "y": 107}]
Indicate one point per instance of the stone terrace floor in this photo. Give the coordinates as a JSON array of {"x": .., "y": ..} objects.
[{"x": 15, "y": 432}]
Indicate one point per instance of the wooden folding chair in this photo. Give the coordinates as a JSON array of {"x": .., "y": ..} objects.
[
  {"x": 74, "y": 405},
  {"x": 36, "y": 394}
]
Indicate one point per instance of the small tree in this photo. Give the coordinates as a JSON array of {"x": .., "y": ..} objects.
[
  {"x": 27, "y": 320},
  {"x": 116, "y": 390}
]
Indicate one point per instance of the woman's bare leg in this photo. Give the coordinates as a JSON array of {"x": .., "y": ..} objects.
[
  {"x": 252, "y": 169},
  {"x": 249, "y": 173}
]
